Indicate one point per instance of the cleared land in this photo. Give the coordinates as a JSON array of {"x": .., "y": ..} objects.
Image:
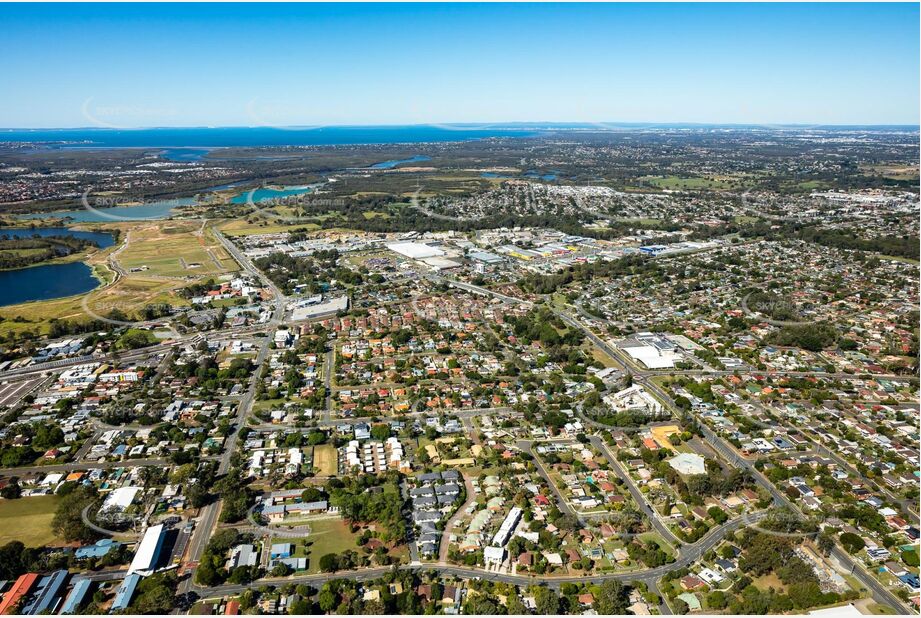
[
  {"x": 132, "y": 294},
  {"x": 326, "y": 460},
  {"x": 175, "y": 249}
]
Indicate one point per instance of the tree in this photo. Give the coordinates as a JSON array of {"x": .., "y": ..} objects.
[
  {"x": 718, "y": 514},
  {"x": 156, "y": 601},
  {"x": 329, "y": 563},
  {"x": 825, "y": 543},
  {"x": 612, "y": 599},
  {"x": 481, "y": 606},
  {"x": 11, "y": 563},
  {"x": 380, "y": 432},
  {"x": 852, "y": 542},
  {"x": 68, "y": 517},
  {"x": 327, "y": 599},
  {"x": 515, "y": 605},
  {"x": 717, "y": 600},
  {"x": 546, "y": 601},
  {"x": 301, "y": 607},
  {"x": 12, "y": 491}
]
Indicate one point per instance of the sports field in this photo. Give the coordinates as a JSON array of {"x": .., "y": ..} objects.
[{"x": 28, "y": 520}]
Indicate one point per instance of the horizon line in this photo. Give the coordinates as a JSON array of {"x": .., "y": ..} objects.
[{"x": 598, "y": 125}]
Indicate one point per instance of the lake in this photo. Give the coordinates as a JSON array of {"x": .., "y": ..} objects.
[
  {"x": 45, "y": 282},
  {"x": 537, "y": 175},
  {"x": 49, "y": 281},
  {"x": 184, "y": 154},
  {"x": 102, "y": 239}
]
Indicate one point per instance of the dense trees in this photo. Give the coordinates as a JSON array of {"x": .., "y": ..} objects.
[
  {"x": 813, "y": 337},
  {"x": 315, "y": 271},
  {"x": 764, "y": 554},
  {"x": 68, "y": 521},
  {"x": 22, "y": 252},
  {"x": 370, "y": 498},
  {"x": 584, "y": 272}
]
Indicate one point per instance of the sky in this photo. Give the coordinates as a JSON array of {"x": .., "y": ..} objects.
[{"x": 142, "y": 65}]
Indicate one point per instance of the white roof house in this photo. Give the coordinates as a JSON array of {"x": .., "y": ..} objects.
[
  {"x": 493, "y": 555},
  {"x": 119, "y": 499}
]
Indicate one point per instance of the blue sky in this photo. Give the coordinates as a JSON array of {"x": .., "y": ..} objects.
[{"x": 72, "y": 65}]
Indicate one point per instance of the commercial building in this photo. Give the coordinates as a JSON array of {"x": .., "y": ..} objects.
[
  {"x": 328, "y": 307},
  {"x": 148, "y": 551},
  {"x": 415, "y": 250},
  {"x": 688, "y": 464}
]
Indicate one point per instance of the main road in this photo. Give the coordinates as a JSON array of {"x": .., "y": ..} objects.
[
  {"x": 690, "y": 554},
  {"x": 641, "y": 502},
  {"x": 208, "y": 516}
]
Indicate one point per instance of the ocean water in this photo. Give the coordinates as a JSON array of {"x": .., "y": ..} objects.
[{"x": 174, "y": 139}]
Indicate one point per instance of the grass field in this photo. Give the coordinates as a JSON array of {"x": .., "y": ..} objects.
[
  {"x": 260, "y": 225},
  {"x": 175, "y": 249},
  {"x": 35, "y": 317},
  {"x": 893, "y": 172},
  {"x": 677, "y": 182},
  {"x": 326, "y": 460},
  {"x": 327, "y": 536},
  {"x": 656, "y": 538},
  {"x": 769, "y": 581},
  {"x": 602, "y": 357},
  {"x": 28, "y": 520}
]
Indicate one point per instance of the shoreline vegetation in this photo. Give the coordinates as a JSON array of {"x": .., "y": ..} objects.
[{"x": 20, "y": 253}]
